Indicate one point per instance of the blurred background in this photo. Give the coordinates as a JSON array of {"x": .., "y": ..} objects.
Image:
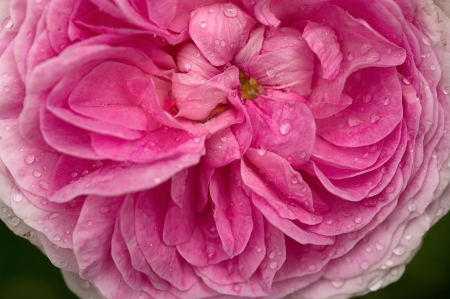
[{"x": 25, "y": 273}]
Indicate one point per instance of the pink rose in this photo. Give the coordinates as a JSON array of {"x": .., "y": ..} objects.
[{"x": 182, "y": 149}]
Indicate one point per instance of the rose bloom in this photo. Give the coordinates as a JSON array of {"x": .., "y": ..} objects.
[{"x": 200, "y": 149}]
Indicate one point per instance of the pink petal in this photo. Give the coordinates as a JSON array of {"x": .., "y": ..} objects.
[
  {"x": 202, "y": 100},
  {"x": 180, "y": 220},
  {"x": 286, "y": 62},
  {"x": 149, "y": 213},
  {"x": 190, "y": 59},
  {"x": 283, "y": 127},
  {"x": 252, "y": 47},
  {"x": 233, "y": 212},
  {"x": 375, "y": 110},
  {"x": 119, "y": 178},
  {"x": 219, "y": 31},
  {"x": 323, "y": 42}
]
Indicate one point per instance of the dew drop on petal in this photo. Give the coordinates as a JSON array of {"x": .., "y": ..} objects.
[
  {"x": 338, "y": 283},
  {"x": 400, "y": 250},
  {"x": 203, "y": 24},
  {"x": 364, "y": 265},
  {"x": 446, "y": 89},
  {"x": 230, "y": 11},
  {"x": 30, "y": 159},
  {"x": 285, "y": 127},
  {"x": 273, "y": 265},
  {"x": 7, "y": 23},
  {"x": 378, "y": 246},
  {"x": 17, "y": 197},
  {"x": 13, "y": 221}
]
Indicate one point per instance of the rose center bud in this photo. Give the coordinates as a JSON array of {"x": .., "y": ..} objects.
[{"x": 250, "y": 87}]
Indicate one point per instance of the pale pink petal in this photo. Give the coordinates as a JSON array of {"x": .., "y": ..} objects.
[
  {"x": 252, "y": 47},
  {"x": 286, "y": 62},
  {"x": 219, "y": 31},
  {"x": 283, "y": 127},
  {"x": 202, "y": 100},
  {"x": 323, "y": 42}
]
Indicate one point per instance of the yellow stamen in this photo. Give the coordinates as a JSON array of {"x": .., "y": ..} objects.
[{"x": 250, "y": 87}]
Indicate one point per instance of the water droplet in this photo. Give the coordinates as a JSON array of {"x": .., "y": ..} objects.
[
  {"x": 223, "y": 43},
  {"x": 373, "y": 56},
  {"x": 230, "y": 11},
  {"x": 312, "y": 268},
  {"x": 53, "y": 216},
  {"x": 203, "y": 24},
  {"x": 390, "y": 189},
  {"x": 350, "y": 56},
  {"x": 270, "y": 73},
  {"x": 378, "y": 246},
  {"x": 338, "y": 283},
  {"x": 353, "y": 121},
  {"x": 367, "y": 98},
  {"x": 358, "y": 220},
  {"x": 426, "y": 40},
  {"x": 285, "y": 127},
  {"x": 365, "y": 48},
  {"x": 13, "y": 221},
  {"x": 406, "y": 81},
  {"x": 375, "y": 284},
  {"x": 399, "y": 250},
  {"x": 262, "y": 152},
  {"x": 37, "y": 174},
  {"x": 43, "y": 184},
  {"x": 259, "y": 249},
  {"x": 369, "y": 249},
  {"x": 237, "y": 288},
  {"x": 187, "y": 66},
  {"x": 211, "y": 10},
  {"x": 273, "y": 265},
  {"x": 30, "y": 159},
  {"x": 374, "y": 118},
  {"x": 446, "y": 89},
  {"x": 294, "y": 180},
  {"x": 56, "y": 238},
  {"x": 365, "y": 265},
  {"x": 386, "y": 101},
  {"x": 272, "y": 254},
  {"x": 433, "y": 67},
  {"x": 17, "y": 197},
  {"x": 7, "y": 23},
  {"x": 303, "y": 155},
  {"x": 329, "y": 222},
  {"x": 408, "y": 237}
]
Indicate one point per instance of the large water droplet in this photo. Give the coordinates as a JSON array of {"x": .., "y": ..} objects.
[
  {"x": 230, "y": 11},
  {"x": 378, "y": 246},
  {"x": 7, "y": 23},
  {"x": 375, "y": 284},
  {"x": 285, "y": 127},
  {"x": 365, "y": 48},
  {"x": 13, "y": 221},
  {"x": 446, "y": 89},
  {"x": 365, "y": 265},
  {"x": 353, "y": 121},
  {"x": 17, "y": 197},
  {"x": 399, "y": 250},
  {"x": 30, "y": 159},
  {"x": 338, "y": 283}
]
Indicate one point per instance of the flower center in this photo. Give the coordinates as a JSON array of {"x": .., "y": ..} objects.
[{"x": 250, "y": 87}]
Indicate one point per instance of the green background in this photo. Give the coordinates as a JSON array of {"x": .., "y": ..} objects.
[{"x": 25, "y": 273}]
